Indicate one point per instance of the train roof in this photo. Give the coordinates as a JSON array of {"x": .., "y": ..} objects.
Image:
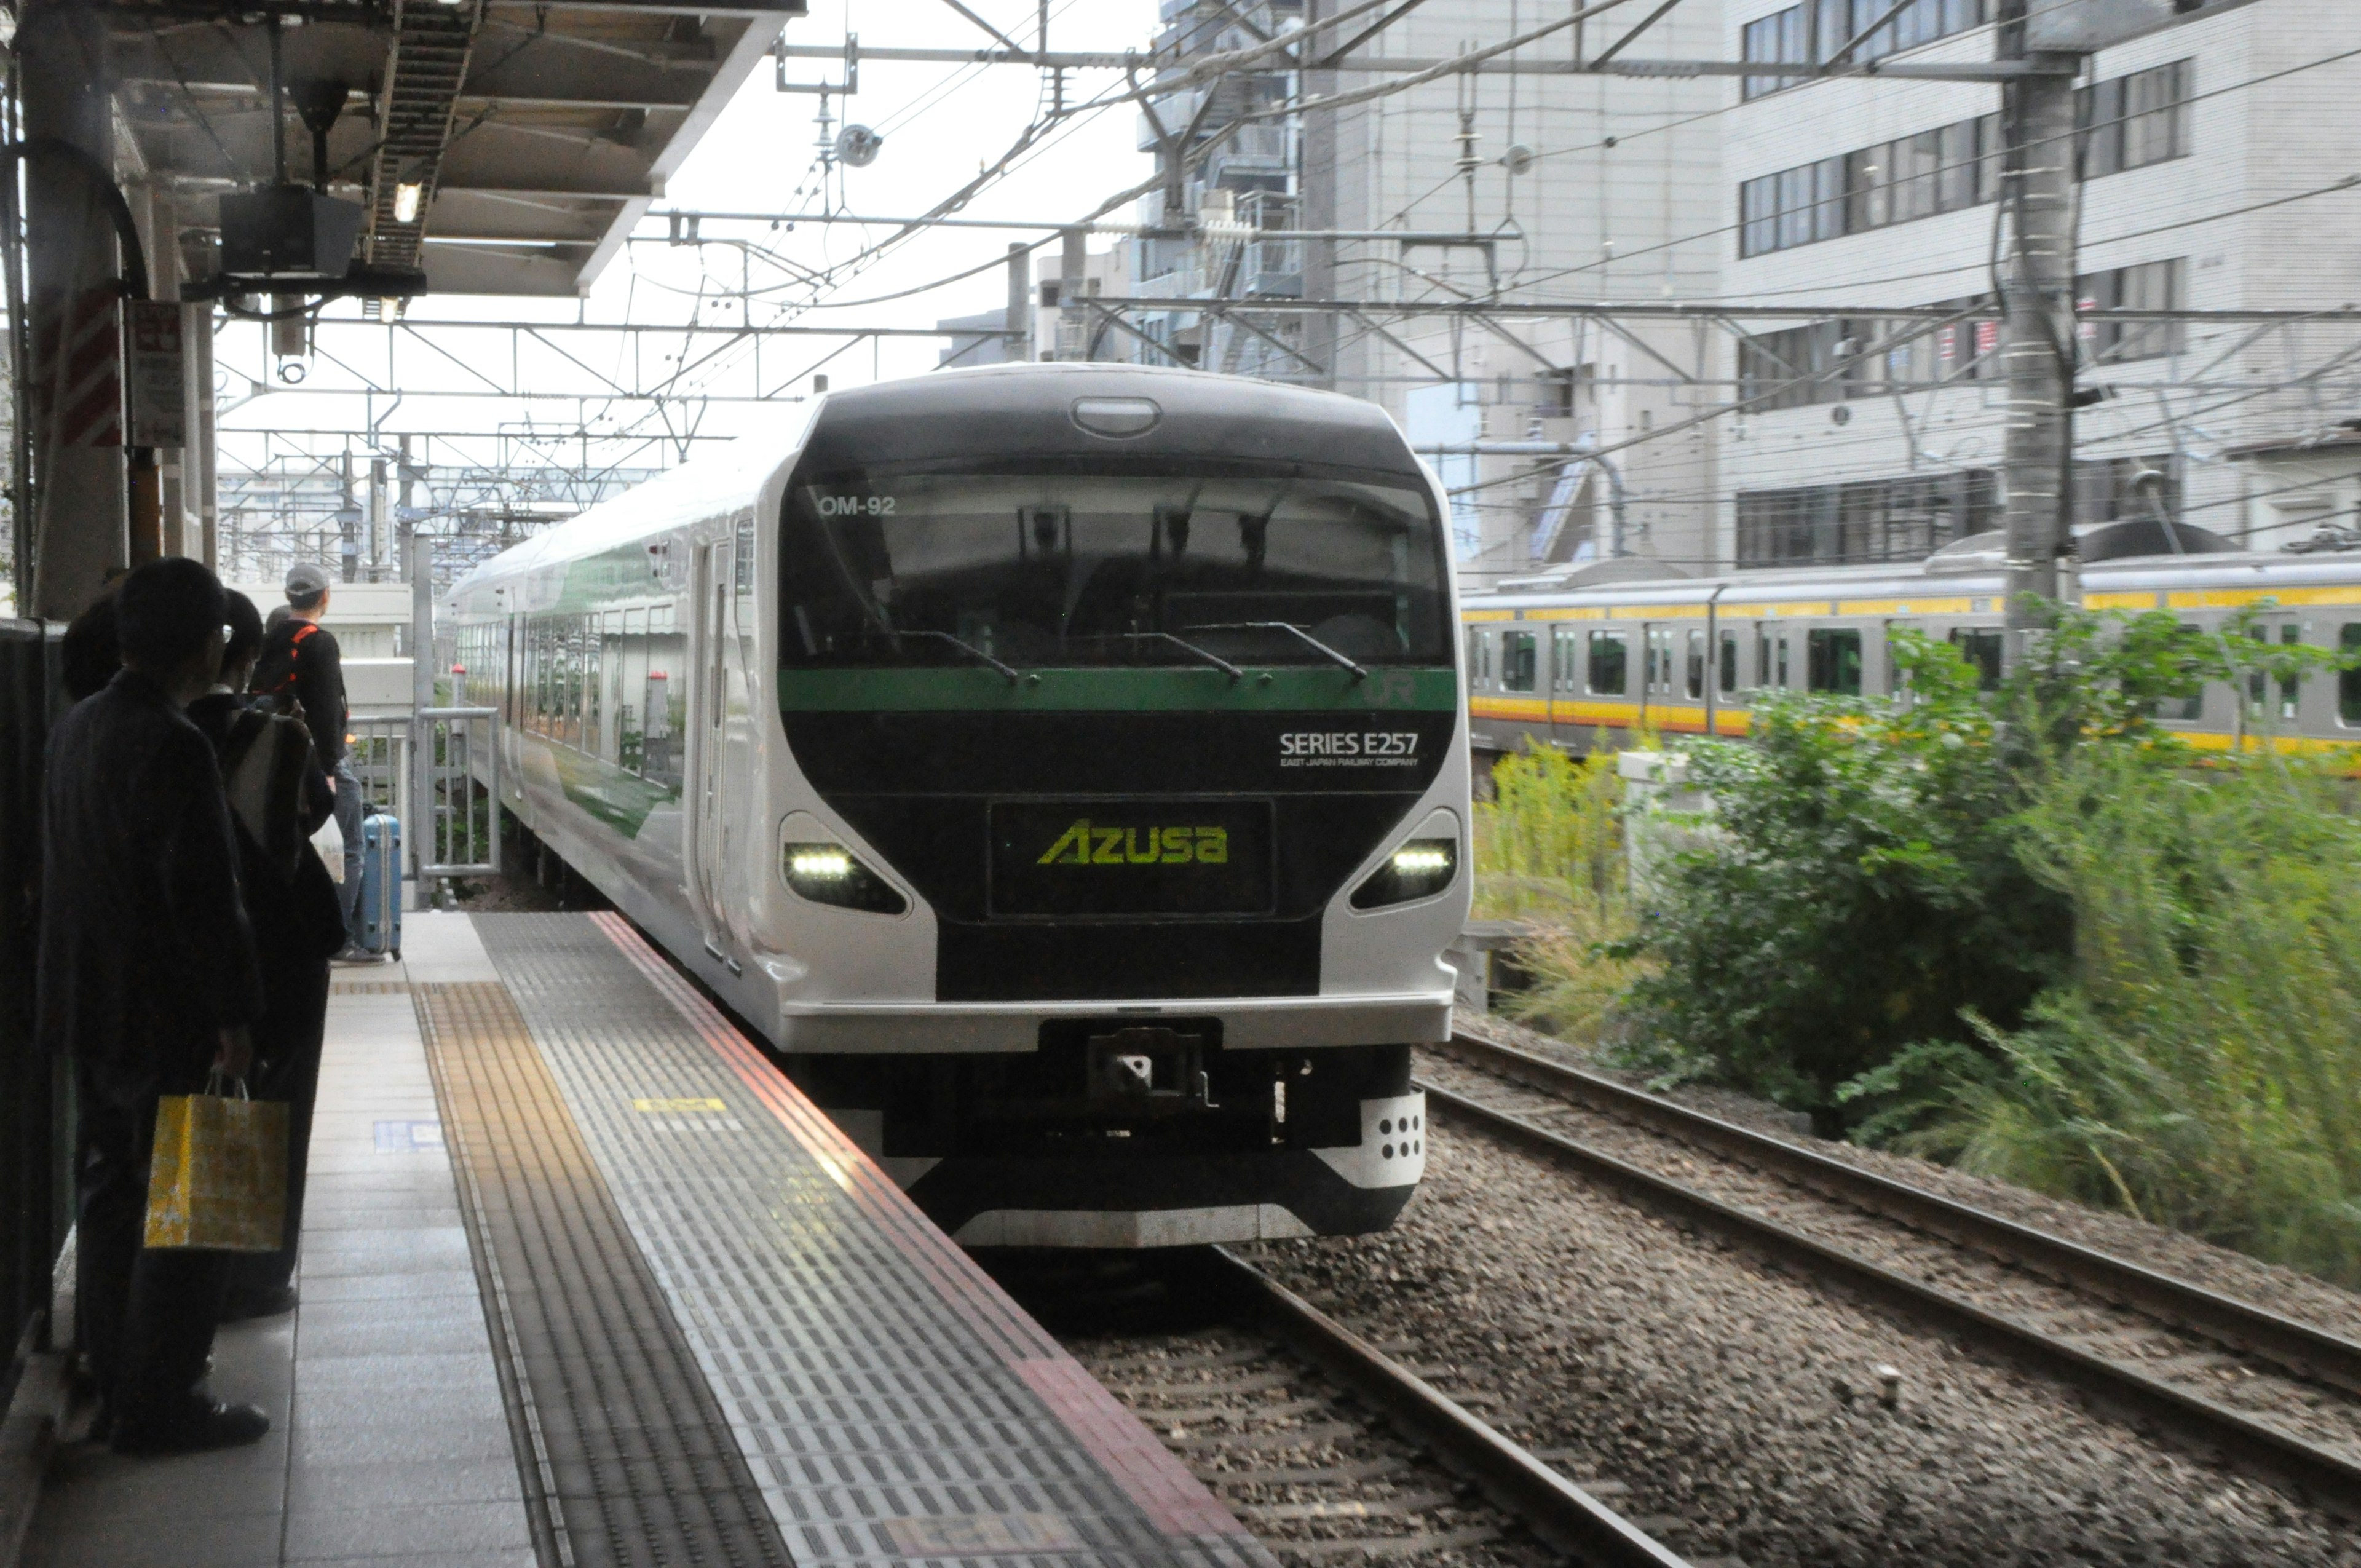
[
  {"x": 1055, "y": 409},
  {"x": 1080, "y": 409},
  {"x": 1893, "y": 588}
]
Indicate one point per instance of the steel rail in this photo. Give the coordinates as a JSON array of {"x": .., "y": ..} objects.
[
  {"x": 2312, "y": 1473},
  {"x": 2297, "y": 1347},
  {"x": 1552, "y": 1507}
]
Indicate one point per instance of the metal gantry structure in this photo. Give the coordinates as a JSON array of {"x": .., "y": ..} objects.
[{"x": 1348, "y": 193}]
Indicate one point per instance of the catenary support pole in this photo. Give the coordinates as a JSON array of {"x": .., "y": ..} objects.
[
  {"x": 2037, "y": 327},
  {"x": 1020, "y": 301},
  {"x": 199, "y": 458},
  {"x": 418, "y": 828},
  {"x": 1073, "y": 262},
  {"x": 74, "y": 381}
]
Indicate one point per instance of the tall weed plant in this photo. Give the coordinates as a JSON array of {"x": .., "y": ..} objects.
[
  {"x": 2198, "y": 1067},
  {"x": 1550, "y": 852}
]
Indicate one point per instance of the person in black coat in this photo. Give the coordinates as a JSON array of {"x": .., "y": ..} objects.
[
  {"x": 302, "y": 668},
  {"x": 147, "y": 979},
  {"x": 277, "y": 798}
]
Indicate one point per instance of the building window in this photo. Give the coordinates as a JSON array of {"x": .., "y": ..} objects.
[
  {"x": 1813, "y": 32},
  {"x": 2130, "y": 122},
  {"x": 2150, "y": 286},
  {"x": 1902, "y": 519},
  {"x": 2125, "y": 122}
]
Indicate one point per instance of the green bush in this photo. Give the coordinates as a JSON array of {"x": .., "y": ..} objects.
[
  {"x": 2198, "y": 1066},
  {"x": 1861, "y": 890}
]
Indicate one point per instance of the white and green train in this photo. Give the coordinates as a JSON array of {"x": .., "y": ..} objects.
[{"x": 1064, "y": 766}]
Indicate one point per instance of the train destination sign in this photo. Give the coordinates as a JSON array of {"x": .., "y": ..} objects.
[{"x": 1123, "y": 858}]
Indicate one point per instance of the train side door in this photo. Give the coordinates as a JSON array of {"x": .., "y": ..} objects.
[
  {"x": 2273, "y": 703},
  {"x": 709, "y": 718}
]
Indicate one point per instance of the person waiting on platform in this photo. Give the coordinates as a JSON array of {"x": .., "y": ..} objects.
[
  {"x": 277, "y": 798},
  {"x": 147, "y": 979},
  {"x": 301, "y": 666}
]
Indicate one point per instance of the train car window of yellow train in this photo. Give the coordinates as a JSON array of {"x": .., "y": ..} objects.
[
  {"x": 1609, "y": 664},
  {"x": 1980, "y": 646},
  {"x": 2348, "y": 682},
  {"x": 1694, "y": 671},
  {"x": 2188, "y": 711},
  {"x": 1833, "y": 661},
  {"x": 1516, "y": 660},
  {"x": 1728, "y": 671}
]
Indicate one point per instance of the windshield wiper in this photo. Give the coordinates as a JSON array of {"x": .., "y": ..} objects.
[
  {"x": 1191, "y": 649},
  {"x": 1325, "y": 652},
  {"x": 969, "y": 649}
]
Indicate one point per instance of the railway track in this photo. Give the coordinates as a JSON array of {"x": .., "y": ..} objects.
[
  {"x": 1332, "y": 1451},
  {"x": 2265, "y": 1393}
]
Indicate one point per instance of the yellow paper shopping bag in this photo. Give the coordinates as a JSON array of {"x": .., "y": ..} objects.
[{"x": 219, "y": 1176}]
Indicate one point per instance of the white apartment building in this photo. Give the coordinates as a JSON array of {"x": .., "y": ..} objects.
[
  {"x": 1853, "y": 195},
  {"x": 1585, "y": 187}
]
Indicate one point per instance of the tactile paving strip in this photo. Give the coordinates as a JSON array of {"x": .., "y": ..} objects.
[
  {"x": 892, "y": 1403},
  {"x": 617, "y": 1427}
]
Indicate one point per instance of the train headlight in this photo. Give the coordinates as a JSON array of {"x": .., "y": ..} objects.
[
  {"x": 830, "y": 873},
  {"x": 1419, "y": 868}
]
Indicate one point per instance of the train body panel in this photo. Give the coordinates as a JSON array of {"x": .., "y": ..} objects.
[
  {"x": 1027, "y": 784},
  {"x": 1580, "y": 667}
]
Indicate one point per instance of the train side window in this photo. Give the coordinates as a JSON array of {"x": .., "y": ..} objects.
[
  {"x": 1980, "y": 646},
  {"x": 1728, "y": 671},
  {"x": 1516, "y": 660},
  {"x": 2189, "y": 709},
  {"x": 2348, "y": 682},
  {"x": 2258, "y": 684},
  {"x": 1693, "y": 672},
  {"x": 1609, "y": 664},
  {"x": 1782, "y": 670},
  {"x": 1834, "y": 656}
]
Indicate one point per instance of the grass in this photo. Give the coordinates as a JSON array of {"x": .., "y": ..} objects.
[
  {"x": 2200, "y": 1070},
  {"x": 1549, "y": 851}
]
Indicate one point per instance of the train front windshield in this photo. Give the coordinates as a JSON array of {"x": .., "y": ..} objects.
[{"x": 1072, "y": 565}]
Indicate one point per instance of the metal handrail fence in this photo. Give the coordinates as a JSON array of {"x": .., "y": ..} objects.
[
  {"x": 429, "y": 759},
  {"x": 460, "y": 835},
  {"x": 36, "y": 1093}
]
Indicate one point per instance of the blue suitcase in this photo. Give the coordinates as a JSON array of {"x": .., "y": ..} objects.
[{"x": 381, "y": 901}]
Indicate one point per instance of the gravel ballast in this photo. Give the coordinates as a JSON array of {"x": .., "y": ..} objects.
[{"x": 1748, "y": 1406}]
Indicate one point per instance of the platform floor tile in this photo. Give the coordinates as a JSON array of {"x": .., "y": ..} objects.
[
  {"x": 390, "y": 1444},
  {"x": 891, "y": 1402}
]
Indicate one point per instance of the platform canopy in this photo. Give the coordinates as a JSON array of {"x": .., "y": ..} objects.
[{"x": 534, "y": 132}]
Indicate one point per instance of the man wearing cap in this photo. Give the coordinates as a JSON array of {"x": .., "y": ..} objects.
[{"x": 300, "y": 660}]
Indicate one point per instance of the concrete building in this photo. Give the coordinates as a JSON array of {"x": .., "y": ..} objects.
[
  {"x": 1581, "y": 187},
  {"x": 1859, "y": 194},
  {"x": 1503, "y": 188}
]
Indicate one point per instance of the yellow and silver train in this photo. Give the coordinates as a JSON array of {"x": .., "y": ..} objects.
[{"x": 1620, "y": 646}]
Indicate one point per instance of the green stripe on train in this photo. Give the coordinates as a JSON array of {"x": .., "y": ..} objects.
[{"x": 969, "y": 689}]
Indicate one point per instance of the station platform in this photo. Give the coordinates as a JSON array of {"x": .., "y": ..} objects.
[{"x": 585, "y": 1281}]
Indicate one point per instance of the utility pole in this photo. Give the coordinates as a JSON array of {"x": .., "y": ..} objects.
[
  {"x": 2037, "y": 323},
  {"x": 75, "y": 408}
]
